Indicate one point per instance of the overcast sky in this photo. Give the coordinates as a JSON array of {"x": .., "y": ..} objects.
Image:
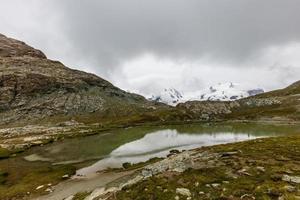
[{"x": 147, "y": 45}]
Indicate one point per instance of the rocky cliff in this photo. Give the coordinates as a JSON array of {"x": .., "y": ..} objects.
[{"x": 33, "y": 87}]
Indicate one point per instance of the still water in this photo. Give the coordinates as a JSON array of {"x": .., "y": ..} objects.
[{"x": 133, "y": 145}]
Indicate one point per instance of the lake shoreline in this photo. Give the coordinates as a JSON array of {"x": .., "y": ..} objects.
[
  {"x": 44, "y": 173},
  {"x": 48, "y": 133},
  {"x": 230, "y": 171}
]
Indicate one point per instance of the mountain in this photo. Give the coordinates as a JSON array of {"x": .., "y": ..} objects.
[
  {"x": 278, "y": 105},
  {"x": 219, "y": 92},
  {"x": 168, "y": 96},
  {"x": 33, "y": 87},
  {"x": 226, "y": 92}
]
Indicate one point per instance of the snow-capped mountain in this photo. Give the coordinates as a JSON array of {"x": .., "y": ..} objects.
[
  {"x": 219, "y": 92},
  {"x": 225, "y": 92},
  {"x": 169, "y": 96}
]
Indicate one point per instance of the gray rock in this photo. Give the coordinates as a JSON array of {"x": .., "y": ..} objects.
[
  {"x": 291, "y": 179},
  {"x": 215, "y": 185},
  {"x": 261, "y": 169},
  {"x": 183, "y": 192}
]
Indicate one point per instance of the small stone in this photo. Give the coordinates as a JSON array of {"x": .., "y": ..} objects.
[
  {"x": 244, "y": 172},
  {"x": 65, "y": 176},
  {"x": 261, "y": 169},
  {"x": 215, "y": 185},
  {"x": 188, "y": 198},
  {"x": 183, "y": 192},
  {"x": 291, "y": 179},
  {"x": 201, "y": 193},
  {"x": 49, "y": 190},
  {"x": 196, "y": 184},
  {"x": 177, "y": 198},
  {"x": 39, "y": 187},
  {"x": 225, "y": 182}
]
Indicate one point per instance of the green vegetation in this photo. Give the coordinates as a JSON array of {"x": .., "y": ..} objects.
[
  {"x": 3, "y": 176},
  {"x": 4, "y": 153},
  {"x": 256, "y": 171},
  {"x": 129, "y": 166},
  {"x": 81, "y": 195},
  {"x": 18, "y": 179}
]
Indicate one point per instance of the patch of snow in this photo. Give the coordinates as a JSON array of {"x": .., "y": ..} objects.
[{"x": 168, "y": 96}]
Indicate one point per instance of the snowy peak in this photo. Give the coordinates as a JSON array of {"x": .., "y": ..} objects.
[
  {"x": 169, "y": 96},
  {"x": 220, "y": 92},
  {"x": 226, "y": 92}
]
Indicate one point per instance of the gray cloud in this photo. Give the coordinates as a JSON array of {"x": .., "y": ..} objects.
[
  {"x": 145, "y": 45},
  {"x": 110, "y": 31}
]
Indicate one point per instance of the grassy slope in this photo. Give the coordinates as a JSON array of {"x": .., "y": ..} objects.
[
  {"x": 277, "y": 156},
  {"x": 19, "y": 179}
]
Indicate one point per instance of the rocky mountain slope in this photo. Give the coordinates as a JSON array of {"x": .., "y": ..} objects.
[{"x": 33, "y": 87}]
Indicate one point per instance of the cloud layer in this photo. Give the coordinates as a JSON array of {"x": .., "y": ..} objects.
[
  {"x": 115, "y": 30},
  {"x": 185, "y": 44}
]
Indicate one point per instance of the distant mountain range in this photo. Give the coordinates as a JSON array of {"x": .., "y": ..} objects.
[{"x": 220, "y": 92}]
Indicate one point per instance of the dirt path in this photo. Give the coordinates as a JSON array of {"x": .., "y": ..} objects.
[{"x": 73, "y": 186}]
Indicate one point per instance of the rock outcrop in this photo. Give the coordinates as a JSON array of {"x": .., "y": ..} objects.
[{"x": 12, "y": 48}]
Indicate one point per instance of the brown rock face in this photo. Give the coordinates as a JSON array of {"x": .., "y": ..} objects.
[
  {"x": 10, "y": 48},
  {"x": 33, "y": 88}
]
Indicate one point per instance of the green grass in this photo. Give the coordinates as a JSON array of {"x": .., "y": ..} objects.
[
  {"x": 25, "y": 181},
  {"x": 4, "y": 153},
  {"x": 81, "y": 195}
]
